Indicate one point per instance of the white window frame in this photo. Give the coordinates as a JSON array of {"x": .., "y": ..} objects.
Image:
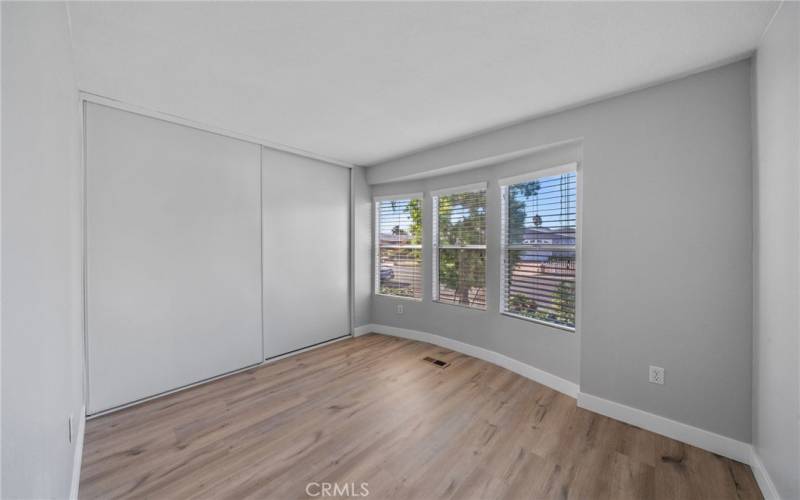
[
  {"x": 504, "y": 246},
  {"x": 470, "y": 188},
  {"x": 376, "y": 238}
]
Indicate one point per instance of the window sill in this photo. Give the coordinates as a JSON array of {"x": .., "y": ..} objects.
[
  {"x": 539, "y": 321},
  {"x": 399, "y": 297}
]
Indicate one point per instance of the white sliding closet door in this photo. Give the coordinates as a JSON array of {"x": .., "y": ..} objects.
[
  {"x": 306, "y": 214},
  {"x": 173, "y": 256}
]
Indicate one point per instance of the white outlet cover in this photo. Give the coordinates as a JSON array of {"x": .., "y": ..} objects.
[
  {"x": 656, "y": 375},
  {"x": 399, "y": 308}
]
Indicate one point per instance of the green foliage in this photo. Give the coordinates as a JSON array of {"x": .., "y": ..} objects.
[
  {"x": 522, "y": 304},
  {"x": 414, "y": 210},
  {"x": 563, "y": 305},
  {"x": 525, "y": 305},
  {"x": 462, "y": 219},
  {"x": 518, "y": 195},
  {"x": 564, "y": 301}
]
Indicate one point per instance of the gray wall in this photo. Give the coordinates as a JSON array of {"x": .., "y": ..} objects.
[
  {"x": 362, "y": 248},
  {"x": 775, "y": 377},
  {"x": 41, "y": 252},
  {"x": 666, "y": 242}
]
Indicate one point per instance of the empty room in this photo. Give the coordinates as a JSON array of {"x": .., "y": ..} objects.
[{"x": 400, "y": 250}]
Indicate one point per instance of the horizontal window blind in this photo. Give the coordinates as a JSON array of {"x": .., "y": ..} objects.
[
  {"x": 539, "y": 236},
  {"x": 459, "y": 274},
  {"x": 399, "y": 247}
]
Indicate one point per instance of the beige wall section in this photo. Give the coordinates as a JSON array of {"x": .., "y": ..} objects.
[
  {"x": 667, "y": 250},
  {"x": 41, "y": 250},
  {"x": 776, "y": 385}
]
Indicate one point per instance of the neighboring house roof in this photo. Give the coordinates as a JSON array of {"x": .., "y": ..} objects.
[
  {"x": 399, "y": 239},
  {"x": 550, "y": 233}
]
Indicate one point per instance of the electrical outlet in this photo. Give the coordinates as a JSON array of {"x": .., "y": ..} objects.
[
  {"x": 656, "y": 375},
  {"x": 399, "y": 308}
]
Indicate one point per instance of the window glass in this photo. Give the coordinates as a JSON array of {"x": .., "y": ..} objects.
[
  {"x": 399, "y": 248},
  {"x": 460, "y": 241},
  {"x": 539, "y": 249}
]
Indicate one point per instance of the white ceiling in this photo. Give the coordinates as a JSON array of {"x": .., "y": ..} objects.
[{"x": 363, "y": 82}]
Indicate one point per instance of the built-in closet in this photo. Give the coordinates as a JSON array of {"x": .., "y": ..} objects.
[{"x": 205, "y": 254}]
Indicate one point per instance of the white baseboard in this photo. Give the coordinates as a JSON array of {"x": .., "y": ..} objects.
[
  {"x": 707, "y": 440},
  {"x": 715, "y": 443},
  {"x": 77, "y": 457},
  {"x": 762, "y": 477},
  {"x": 363, "y": 330},
  {"x": 545, "y": 378}
]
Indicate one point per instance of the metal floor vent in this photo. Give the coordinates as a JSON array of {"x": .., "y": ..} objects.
[{"x": 437, "y": 362}]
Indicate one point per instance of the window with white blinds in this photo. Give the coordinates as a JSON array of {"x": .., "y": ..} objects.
[
  {"x": 459, "y": 268},
  {"x": 398, "y": 252},
  {"x": 538, "y": 247}
]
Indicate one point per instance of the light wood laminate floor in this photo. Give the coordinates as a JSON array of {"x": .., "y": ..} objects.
[{"x": 370, "y": 410}]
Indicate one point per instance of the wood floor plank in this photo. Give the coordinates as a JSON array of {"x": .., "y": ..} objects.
[{"x": 370, "y": 410}]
